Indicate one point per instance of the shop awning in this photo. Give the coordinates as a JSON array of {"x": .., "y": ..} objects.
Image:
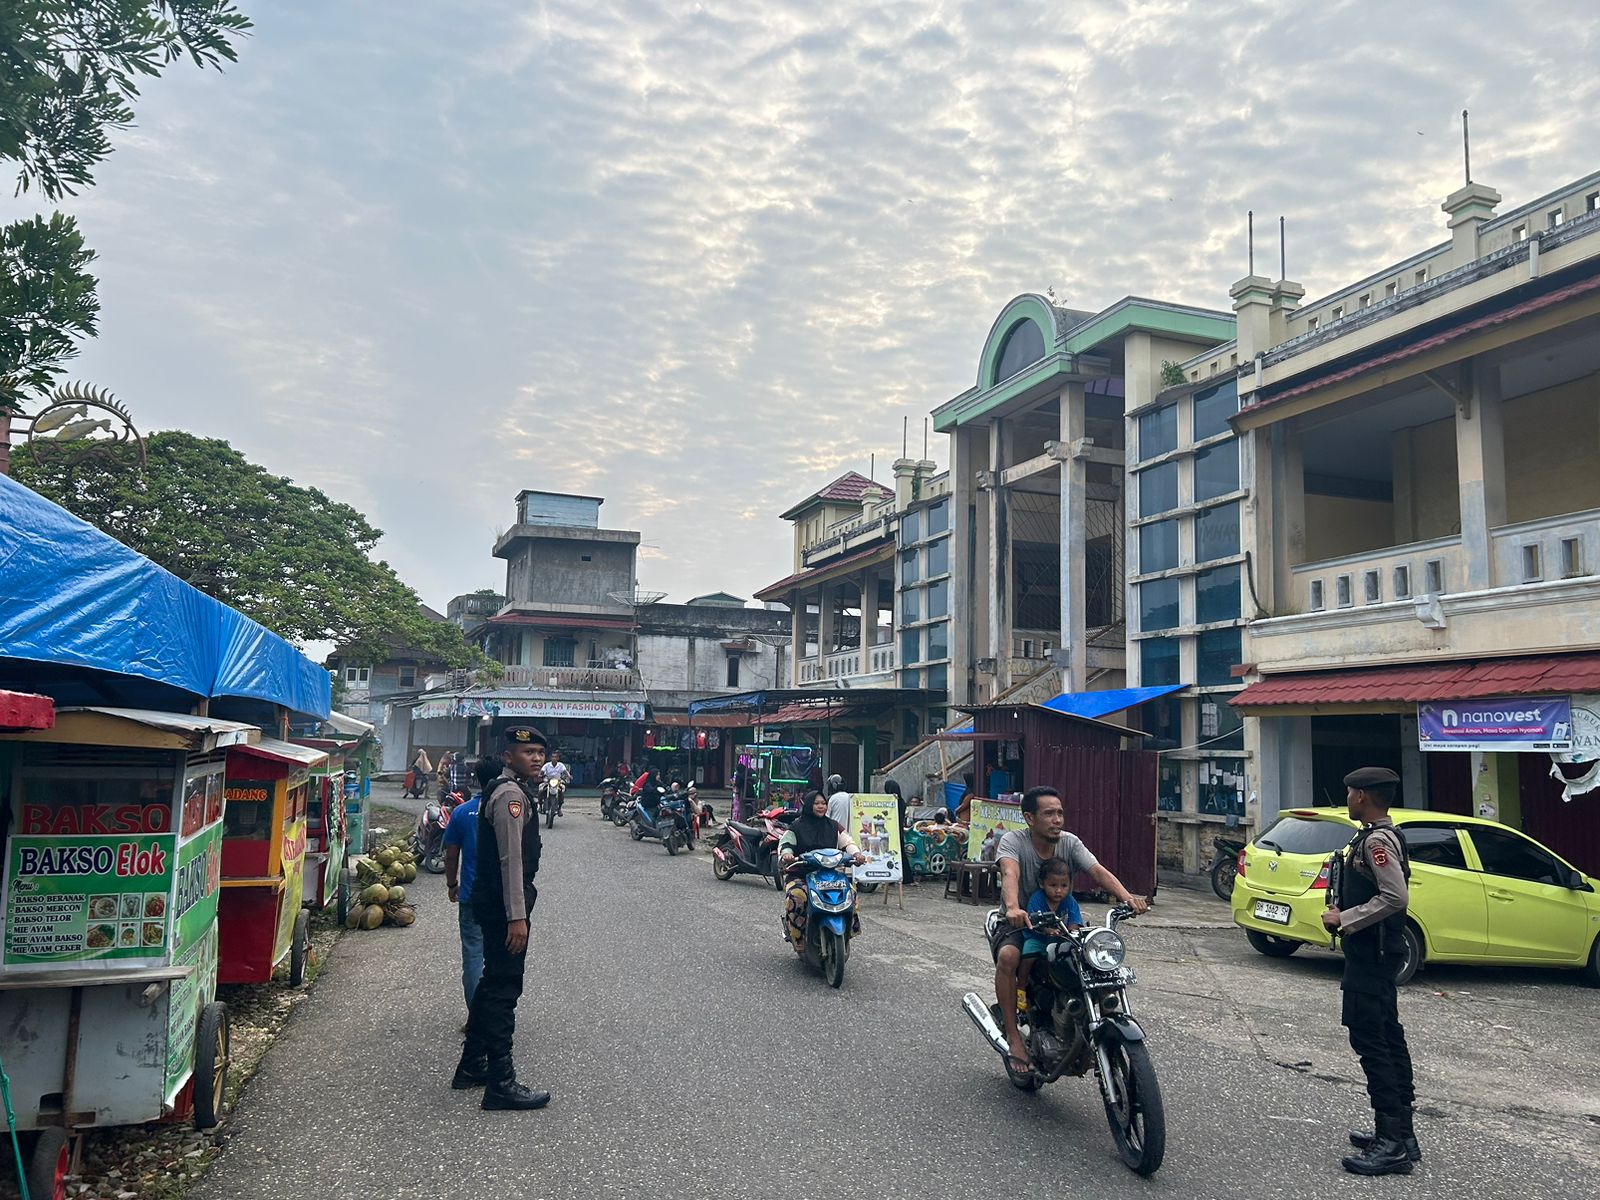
[
  {"x": 1540, "y": 675},
  {"x": 703, "y": 720},
  {"x": 812, "y": 714},
  {"x": 287, "y": 752},
  {"x": 1093, "y": 705},
  {"x": 141, "y": 727}
]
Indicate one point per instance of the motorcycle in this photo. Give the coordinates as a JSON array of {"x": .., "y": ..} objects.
[
  {"x": 750, "y": 848},
  {"x": 830, "y": 911},
  {"x": 1073, "y": 1014},
  {"x": 427, "y": 839},
  {"x": 664, "y": 825},
  {"x": 1225, "y": 867},
  {"x": 611, "y": 795},
  {"x": 551, "y": 794}
]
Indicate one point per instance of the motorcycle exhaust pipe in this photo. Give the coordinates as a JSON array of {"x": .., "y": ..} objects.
[{"x": 984, "y": 1020}]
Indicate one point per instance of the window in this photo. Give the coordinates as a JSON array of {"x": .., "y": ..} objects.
[
  {"x": 1158, "y": 604},
  {"x": 1221, "y": 787},
  {"x": 910, "y": 525},
  {"x": 586, "y": 558},
  {"x": 1216, "y": 532},
  {"x": 1221, "y": 725},
  {"x": 908, "y": 566},
  {"x": 1338, "y": 311},
  {"x": 1299, "y": 835},
  {"x": 1217, "y": 652},
  {"x": 939, "y": 640},
  {"x": 1158, "y": 661},
  {"x": 1519, "y": 233},
  {"x": 911, "y": 729},
  {"x": 1508, "y": 854},
  {"x": 1553, "y": 219},
  {"x": 910, "y": 647},
  {"x": 1390, "y": 289},
  {"x": 1433, "y": 574},
  {"x": 938, "y": 599},
  {"x": 938, "y": 517},
  {"x": 1311, "y": 323},
  {"x": 1158, "y": 489},
  {"x": 1571, "y": 558},
  {"x": 1591, "y": 201},
  {"x": 1402, "y": 583},
  {"x": 1216, "y": 595},
  {"x": 1422, "y": 275},
  {"x": 1216, "y": 471},
  {"x": 1436, "y": 845},
  {"x": 1341, "y": 590},
  {"x": 1024, "y": 346},
  {"x": 938, "y": 677},
  {"x": 1158, "y": 546},
  {"x": 1532, "y": 564},
  {"x": 938, "y": 558},
  {"x": 1213, "y": 407},
  {"x": 1318, "y": 600},
  {"x": 360, "y": 676},
  {"x": 408, "y": 677},
  {"x": 910, "y": 605},
  {"x": 733, "y": 670},
  {"x": 1371, "y": 587},
  {"x": 1366, "y": 300},
  {"x": 1158, "y": 431},
  {"x": 1169, "y": 786},
  {"x": 559, "y": 651}
]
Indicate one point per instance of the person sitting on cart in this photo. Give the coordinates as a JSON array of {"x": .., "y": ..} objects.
[
  {"x": 1053, "y": 895},
  {"x": 811, "y": 830}
]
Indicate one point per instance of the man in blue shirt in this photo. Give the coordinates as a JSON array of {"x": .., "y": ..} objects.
[{"x": 460, "y": 866}]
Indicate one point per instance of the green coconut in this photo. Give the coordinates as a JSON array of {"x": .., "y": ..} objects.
[
  {"x": 372, "y": 917},
  {"x": 376, "y": 894},
  {"x": 397, "y": 895}
]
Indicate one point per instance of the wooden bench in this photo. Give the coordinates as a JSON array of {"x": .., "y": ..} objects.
[{"x": 973, "y": 882}]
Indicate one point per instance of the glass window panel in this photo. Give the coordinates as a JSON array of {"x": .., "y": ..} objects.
[
  {"x": 908, "y": 566},
  {"x": 1169, "y": 787},
  {"x": 1158, "y": 489},
  {"x": 1158, "y": 604},
  {"x": 1158, "y": 546},
  {"x": 910, "y": 647},
  {"x": 1216, "y": 471},
  {"x": 938, "y": 677},
  {"x": 1216, "y": 595},
  {"x": 1216, "y": 532},
  {"x": 1217, "y": 651},
  {"x": 938, "y": 517},
  {"x": 1221, "y": 787},
  {"x": 1221, "y": 725},
  {"x": 1158, "y": 431},
  {"x": 1158, "y": 661},
  {"x": 910, "y": 526},
  {"x": 939, "y": 640},
  {"x": 938, "y": 598},
  {"x": 938, "y": 558},
  {"x": 1024, "y": 345},
  {"x": 911, "y": 605},
  {"x": 1213, "y": 407}
]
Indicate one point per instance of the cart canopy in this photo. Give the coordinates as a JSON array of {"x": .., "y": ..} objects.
[
  {"x": 77, "y": 597},
  {"x": 287, "y": 752},
  {"x": 140, "y": 727}
]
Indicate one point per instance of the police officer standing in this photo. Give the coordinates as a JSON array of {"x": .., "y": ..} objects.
[
  {"x": 1369, "y": 913},
  {"x": 502, "y": 900}
]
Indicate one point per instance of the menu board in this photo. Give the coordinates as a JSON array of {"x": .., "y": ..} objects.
[{"x": 87, "y": 899}]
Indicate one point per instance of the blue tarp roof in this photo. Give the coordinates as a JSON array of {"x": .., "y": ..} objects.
[
  {"x": 76, "y": 597},
  {"x": 1098, "y": 704}
]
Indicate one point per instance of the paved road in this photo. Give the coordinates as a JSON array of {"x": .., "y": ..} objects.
[{"x": 690, "y": 1055}]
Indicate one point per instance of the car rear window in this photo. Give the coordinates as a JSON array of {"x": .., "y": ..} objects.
[{"x": 1297, "y": 835}]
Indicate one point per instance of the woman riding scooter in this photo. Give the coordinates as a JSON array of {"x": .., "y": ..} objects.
[{"x": 811, "y": 830}]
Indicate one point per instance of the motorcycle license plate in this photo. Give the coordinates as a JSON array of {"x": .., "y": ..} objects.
[{"x": 1268, "y": 911}]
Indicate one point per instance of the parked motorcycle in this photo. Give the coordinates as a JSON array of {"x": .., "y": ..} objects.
[
  {"x": 830, "y": 911},
  {"x": 1225, "y": 866},
  {"x": 751, "y": 847},
  {"x": 1073, "y": 1014},
  {"x": 663, "y": 825},
  {"x": 611, "y": 794},
  {"x": 427, "y": 839}
]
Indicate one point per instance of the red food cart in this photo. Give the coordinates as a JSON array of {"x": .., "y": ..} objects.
[{"x": 260, "y": 914}]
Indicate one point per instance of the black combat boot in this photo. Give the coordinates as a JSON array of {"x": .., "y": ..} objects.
[
  {"x": 471, "y": 1073},
  {"x": 504, "y": 1092},
  {"x": 1384, "y": 1154},
  {"x": 1402, "y": 1133}
]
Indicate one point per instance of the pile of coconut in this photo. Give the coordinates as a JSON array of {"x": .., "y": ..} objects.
[{"x": 382, "y": 879}]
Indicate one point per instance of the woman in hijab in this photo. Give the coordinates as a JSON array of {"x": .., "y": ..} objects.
[{"x": 811, "y": 830}]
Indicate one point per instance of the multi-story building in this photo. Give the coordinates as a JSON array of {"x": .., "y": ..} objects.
[
  {"x": 1422, "y": 521},
  {"x": 368, "y": 691}
]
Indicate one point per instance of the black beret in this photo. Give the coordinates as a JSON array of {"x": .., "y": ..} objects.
[
  {"x": 1368, "y": 777},
  {"x": 522, "y": 735}
]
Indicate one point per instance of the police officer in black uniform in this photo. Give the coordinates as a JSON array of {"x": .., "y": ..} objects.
[
  {"x": 508, "y": 855},
  {"x": 1369, "y": 913}
]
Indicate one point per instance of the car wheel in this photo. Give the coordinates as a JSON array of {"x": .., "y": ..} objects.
[
  {"x": 1412, "y": 954},
  {"x": 1272, "y": 947},
  {"x": 1591, "y": 971}
]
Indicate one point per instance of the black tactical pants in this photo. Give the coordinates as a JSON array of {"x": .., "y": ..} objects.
[
  {"x": 1379, "y": 1040},
  {"x": 492, "y": 1019}
]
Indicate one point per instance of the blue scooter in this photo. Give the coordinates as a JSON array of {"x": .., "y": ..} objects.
[{"x": 830, "y": 911}]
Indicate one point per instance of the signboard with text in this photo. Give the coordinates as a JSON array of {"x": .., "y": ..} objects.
[
  {"x": 990, "y": 822},
  {"x": 875, "y": 826},
  {"x": 1504, "y": 723},
  {"x": 474, "y": 706}
]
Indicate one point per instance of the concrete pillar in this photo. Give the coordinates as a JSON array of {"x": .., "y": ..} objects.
[
  {"x": 1405, "y": 516},
  {"x": 1289, "y": 497},
  {"x": 1481, "y": 471},
  {"x": 824, "y": 621},
  {"x": 1468, "y": 208},
  {"x": 999, "y": 571},
  {"x": 1413, "y": 776},
  {"x": 1496, "y": 790},
  {"x": 1074, "y": 596},
  {"x": 1283, "y": 777}
]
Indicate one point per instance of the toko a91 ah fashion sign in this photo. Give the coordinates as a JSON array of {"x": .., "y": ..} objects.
[{"x": 1513, "y": 723}]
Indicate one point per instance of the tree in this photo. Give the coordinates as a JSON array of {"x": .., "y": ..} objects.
[
  {"x": 69, "y": 71},
  {"x": 288, "y": 556}
]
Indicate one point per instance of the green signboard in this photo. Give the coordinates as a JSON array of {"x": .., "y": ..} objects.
[
  {"x": 189, "y": 995},
  {"x": 88, "y": 900}
]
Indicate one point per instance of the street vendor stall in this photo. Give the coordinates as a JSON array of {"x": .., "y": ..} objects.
[
  {"x": 326, "y": 839},
  {"x": 113, "y": 821},
  {"x": 260, "y": 915}
]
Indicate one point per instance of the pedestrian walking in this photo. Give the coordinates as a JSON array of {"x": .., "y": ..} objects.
[
  {"x": 460, "y": 871},
  {"x": 1369, "y": 913},
  {"x": 503, "y": 897},
  {"x": 838, "y": 802}
]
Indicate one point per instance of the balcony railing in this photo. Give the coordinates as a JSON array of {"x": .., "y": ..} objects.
[
  {"x": 574, "y": 679},
  {"x": 1563, "y": 547},
  {"x": 847, "y": 664},
  {"x": 1379, "y": 576}
]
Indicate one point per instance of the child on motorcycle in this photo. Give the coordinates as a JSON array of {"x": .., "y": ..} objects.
[
  {"x": 811, "y": 830},
  {"x": 1053, "y": 895}
]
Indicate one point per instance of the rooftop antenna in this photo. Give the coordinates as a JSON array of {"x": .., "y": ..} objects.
[
  {"x": 905, "y": 427},
  {"x": 924, "y": 439},
  {"x": 1250, "y": 239},
  {"x": 1466, "y": 146},
  {"x": 1283, "y": 252},
  {"x": 872, "y": 468}
]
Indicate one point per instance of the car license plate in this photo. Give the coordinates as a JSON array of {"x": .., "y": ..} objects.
[{"x": 1268, "y": 911}]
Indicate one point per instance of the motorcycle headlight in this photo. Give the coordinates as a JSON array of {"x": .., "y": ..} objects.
[{"x": 1104, "y": 950}]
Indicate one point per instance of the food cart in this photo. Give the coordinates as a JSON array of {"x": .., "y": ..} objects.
[
  {"x": 326, "y": 840},
  {"x": 109, "y": 969},
  {"x": 260, "y": 914}
]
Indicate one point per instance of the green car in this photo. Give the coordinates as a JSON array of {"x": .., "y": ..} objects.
[{"x": 1481, "y": 892}]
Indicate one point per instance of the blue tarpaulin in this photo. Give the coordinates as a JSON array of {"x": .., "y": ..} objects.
[
  {"x": 76, "y": 597},
  {"x": 1098, "y": 704}
]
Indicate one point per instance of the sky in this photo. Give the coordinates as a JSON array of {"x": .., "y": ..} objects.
[{"x": 700, "y": 258}]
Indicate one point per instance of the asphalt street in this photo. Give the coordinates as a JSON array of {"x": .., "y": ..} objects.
[{"x": 691, "y": 1055}]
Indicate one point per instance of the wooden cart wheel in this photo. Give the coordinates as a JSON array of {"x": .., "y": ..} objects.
[
  {"x": 299, "y": 949},
  {"x": 213, "y": 1053}
]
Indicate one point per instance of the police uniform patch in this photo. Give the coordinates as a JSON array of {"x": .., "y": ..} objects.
[
  {"x": 1380, "y": 856},
  {"x": 514, "y": 807}
]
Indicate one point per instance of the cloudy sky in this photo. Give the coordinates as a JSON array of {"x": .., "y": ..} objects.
[{"x": 700, "y": 257}]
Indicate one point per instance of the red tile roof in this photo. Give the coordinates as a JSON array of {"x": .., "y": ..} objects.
[
  {"x": 1545, "y": 674},
  {"x": 850, "y": 488},
  {"x": 802, "y": 714}
]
